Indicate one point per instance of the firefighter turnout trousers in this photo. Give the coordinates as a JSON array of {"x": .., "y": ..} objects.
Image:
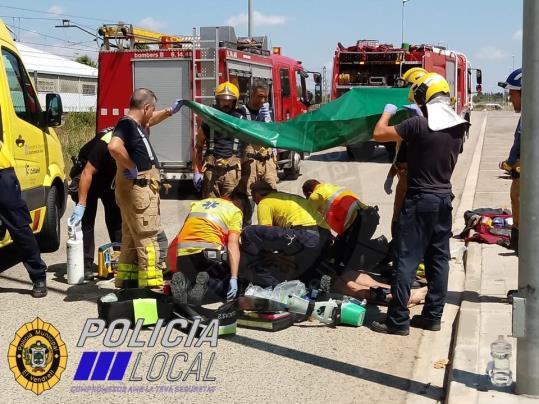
[
  {"x": 255, "y": 167},
  {"x": 221, "y": 176},
  {"x": 140, "y": 264}
]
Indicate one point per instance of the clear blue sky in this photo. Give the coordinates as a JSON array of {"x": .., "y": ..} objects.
[{"x": 488, "y": 31}]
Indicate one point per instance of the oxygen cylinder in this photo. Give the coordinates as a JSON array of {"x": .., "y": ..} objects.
[{"x": 75, "y": 254}]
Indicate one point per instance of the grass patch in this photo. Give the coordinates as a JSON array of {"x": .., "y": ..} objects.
[{"x": 78, "y": 128}]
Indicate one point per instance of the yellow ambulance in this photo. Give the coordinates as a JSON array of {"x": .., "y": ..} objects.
[{"x": 26, "y": 131}]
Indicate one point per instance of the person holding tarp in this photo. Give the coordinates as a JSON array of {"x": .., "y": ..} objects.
[
  {"x": 424, "y": 225},
  {"x": 208, "y": 250},
  {"x": 219, "y": 172}
]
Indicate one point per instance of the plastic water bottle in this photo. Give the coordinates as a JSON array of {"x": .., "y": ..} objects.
[{"x": 500, "y": 374}]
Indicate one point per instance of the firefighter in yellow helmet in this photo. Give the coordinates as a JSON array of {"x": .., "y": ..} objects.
[
  {"x": 399, "y": 166},
  {"x": 15, "y": 216},
  {"x": 424, "y": 225},
  {"x": 218, "y": 172}
]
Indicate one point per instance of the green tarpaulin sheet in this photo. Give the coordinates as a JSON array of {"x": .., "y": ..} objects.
[{"x": 349, "y": 119}]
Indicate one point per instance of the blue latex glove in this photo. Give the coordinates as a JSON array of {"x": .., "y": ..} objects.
[
  {"x": 413, "y": 110},
  {"x": 77, "y": 215},
  {"x": 390, "y": 109},
  {"x": 388, "y": 184},
  {"x": 264, "y": 113},
  {"x": 131, "y": 173},
  {"x": 175, "y": 106},
  {"x": 197, "y": 181},
  {"x": 232, "y": 289}
]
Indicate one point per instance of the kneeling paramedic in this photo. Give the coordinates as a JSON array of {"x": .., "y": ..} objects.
[
  {"x": 220, "y": 172},
  {"x": 340, "y": 207},
  {"x": 289, "y": 228},
  {"x": 209, "y": 242},
  {"x": 424, "y": 225},
  {"x": 137, "y": 194},
  {"x": 15, "y": 216}
]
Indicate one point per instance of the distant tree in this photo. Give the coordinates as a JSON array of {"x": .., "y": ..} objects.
[
  {"x": 142, "y": 46},
  {"x": 86, "y": 60}
]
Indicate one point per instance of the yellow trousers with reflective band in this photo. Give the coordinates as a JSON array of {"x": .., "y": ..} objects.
[{"x": 140, "y": 263}]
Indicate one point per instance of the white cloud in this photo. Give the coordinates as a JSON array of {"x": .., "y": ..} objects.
[
  {"x": 152, "y": 24},
  {"x": 56, "y": 10},
  {"x": 517, "y": 35},
  {"x": 491, "y": 53},
  {"x": 259, "y": 19}
]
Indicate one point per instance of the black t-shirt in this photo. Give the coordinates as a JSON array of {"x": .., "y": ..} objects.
[
  {"x": 432, "y": 155},
  {"x": 136, "y": 143},
  {"x": 101, "y": 159},
  {"x": 223, "y": 144}
]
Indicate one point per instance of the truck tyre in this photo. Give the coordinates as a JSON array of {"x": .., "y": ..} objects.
[
  {"x": 391, "y": 149},
  {"x": 362, "y": 151},
  {"x": 49, "y": 237},
  {"x": 292, "y": 173}
]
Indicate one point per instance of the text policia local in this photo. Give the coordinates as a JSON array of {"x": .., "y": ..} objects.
[
  {"x": 95, "y": 327},
  {"x": 117, "y": 334}
]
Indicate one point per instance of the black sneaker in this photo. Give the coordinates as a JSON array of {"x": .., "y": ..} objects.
[
  {"x": 385, "y": 329},
  {"x": 178, "y": 287},
  {"x": 419, "y": 321},
  {"x": 39, "y": 289},
  {"x": 197, "y": 292}
]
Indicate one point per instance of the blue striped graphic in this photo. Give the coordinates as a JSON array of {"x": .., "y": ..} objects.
[
  {"x": 102, "y": 366},
  {"x": 119, "y": 366},
  {"x": 118, "y": 360},
  {"x": 85, "y": 366}
]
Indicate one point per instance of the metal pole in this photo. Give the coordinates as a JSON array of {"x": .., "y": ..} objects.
[
  {"x": 249, "y": 19},
  {"x": 528, "y": 276},
  {"x": 402, "y": 23}
]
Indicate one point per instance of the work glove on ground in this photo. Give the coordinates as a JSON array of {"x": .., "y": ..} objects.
[
  {"x": 504, "y": 165},
  {"x": 131, "y": 173},
  {"x": 175, "y": 106},
  {"x": 77, "y": 215},
  {"x": 388, "y": 184},
  {"x": 232, "y": 289},
  {"x": 197, "y": 181},
  {"x": 390, "y": 109}
]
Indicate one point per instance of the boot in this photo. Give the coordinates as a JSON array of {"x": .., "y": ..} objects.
[
  {"x": 514, "y": 239},
  {"x": 39, "y": 288}
]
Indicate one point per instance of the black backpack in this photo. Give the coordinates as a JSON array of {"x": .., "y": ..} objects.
[{"x": 79, "y": 162}]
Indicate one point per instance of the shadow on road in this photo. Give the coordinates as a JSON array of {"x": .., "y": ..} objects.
[
  {"x": 478, "y": 382},
  {"x": 386, "y": 379}
]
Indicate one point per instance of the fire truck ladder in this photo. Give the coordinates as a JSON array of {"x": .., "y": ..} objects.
[
  {"x": 115, "y": 33},
  {"x": 205, "y": 67}
]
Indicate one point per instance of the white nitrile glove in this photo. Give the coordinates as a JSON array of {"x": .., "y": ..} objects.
[
  {"x": 264, "y": 113},
  {"x": 131, "y": 173},
  {"x": 175, "y": 106},
  {"x": 77, "y": 215},
  {"x": 390, "y": 109},
  {"x": 232, "y": 289},
  {"x": 388, "y": 184},
  {"x": 413, "y": 110},
  {"x": 197, "y": 181}
]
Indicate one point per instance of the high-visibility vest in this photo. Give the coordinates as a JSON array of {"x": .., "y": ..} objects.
[
  {"x": 6, "y": 159},
  {"x": 340, "y": 207},
  {"x": 208, "y": 225}
]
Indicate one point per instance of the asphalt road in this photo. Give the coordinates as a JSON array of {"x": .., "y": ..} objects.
[{"x": 308, "y": 362}]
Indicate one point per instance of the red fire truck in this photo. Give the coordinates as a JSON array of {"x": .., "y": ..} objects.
[
  {"x": 190, "y": 67},
  {"x": 371, "y": 64}
]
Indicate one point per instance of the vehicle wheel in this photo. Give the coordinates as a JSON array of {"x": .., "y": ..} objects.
[
  {"x": 360, "y": 151},
  {"x": 292, "y": 173},
  {"x": 49, "y": 237}
]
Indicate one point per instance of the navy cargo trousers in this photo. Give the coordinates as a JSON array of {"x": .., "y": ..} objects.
[{"x": 424, "y": 229}]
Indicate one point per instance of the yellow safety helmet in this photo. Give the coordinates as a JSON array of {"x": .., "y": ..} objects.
[
  {"x": 428, "y": 87},
  {"x": 413, "y": 74},
  {"x": 227, "y": 91}
]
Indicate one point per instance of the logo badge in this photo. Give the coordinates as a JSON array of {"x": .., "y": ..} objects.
[{"x": 37, "y": 356}]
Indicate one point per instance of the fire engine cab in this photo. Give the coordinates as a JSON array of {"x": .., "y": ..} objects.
[
  {"x": 371, "y": 64},
  {"x": 190, "y": 67}
]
